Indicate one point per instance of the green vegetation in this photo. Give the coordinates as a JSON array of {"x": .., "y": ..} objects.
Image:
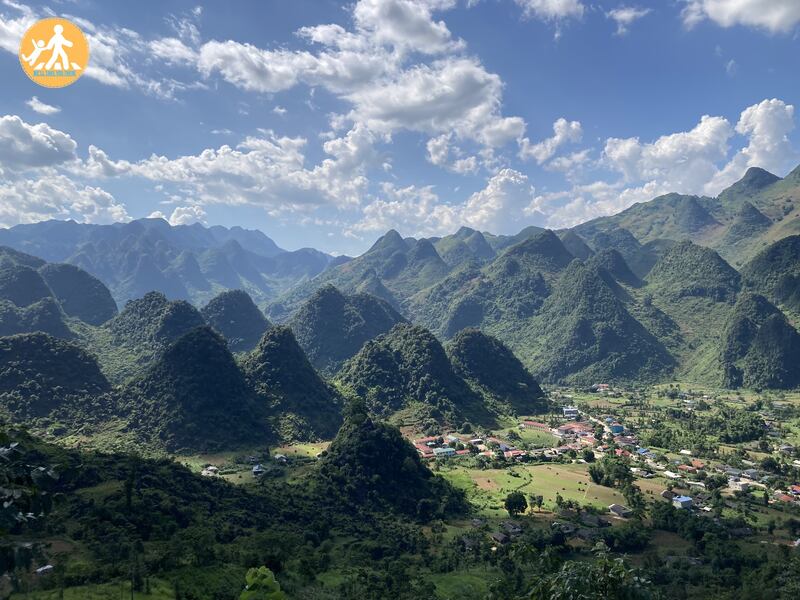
[
  {"x": 194, "y": 397},
  {"x": 408, "y": 368},
  {"x": 301, "y": 406},
  {"x": 236, "y": 317},
  {"x": 332, "y": 327},
  {"x": 494, "y": 372}
]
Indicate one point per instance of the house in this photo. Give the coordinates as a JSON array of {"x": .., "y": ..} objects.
[
  {"x": 258, "y": 471},
  {"x": 515, "y": 454},
  {"x": 685, "y": 452},
  {"x": 668, "y": 494},
  {"x": 682, "y": 502},
  {"x": 616, "y": 428},
  {"x": 601, "y": 387},
  {"x": 500, "y": 538},
  {"x": 671, "y": 475},
  {"x": 737, "y": 485},
  {"x": 44, "y": 570},
  {"x": 686, "y": 469},
  {"x": 511, "y": 528},
  {"x": 281, "y": 458},
  {"x": 620, "y": 511},
  {"x": 444, "y": 452},
  {"x": 795, "y": 490},
  {"x": 696, "y": 484},
  {"x": 210, "y": 471},
  {"x": 784, "y": 498},
  {"x": 570, "y": 412},
  {"x": 752, "y": 474},
  {"x": 698, "y": 464},
  {"x": 786, "y": 449}
]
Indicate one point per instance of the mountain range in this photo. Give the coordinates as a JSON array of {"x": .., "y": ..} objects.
[{"x": 422, "y": 331}]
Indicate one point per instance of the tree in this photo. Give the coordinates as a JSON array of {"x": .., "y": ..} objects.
[
  {"x": 537, "y": 500},
  {"x": 261, "y": 585},
  {"x": 515, "y": 503}
]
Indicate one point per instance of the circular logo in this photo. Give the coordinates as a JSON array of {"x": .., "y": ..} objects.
[{"x": 54, "y": 52}]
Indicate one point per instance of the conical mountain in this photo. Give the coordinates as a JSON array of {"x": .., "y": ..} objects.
[
  {"x": 584, "y": 334},
  {"x": 754, "y": 181},
  {"x": 332, "y": 327},
  {"x": 80, "y": 295},
  {"x": 406, "y": 374},
  {"x": 300, "y": 405},
  {"x": 492, "y": 369},
  {"x": 371, "y": 284},
  {"x": 44, "y": 316},
  {"x": 544, "y": 252},
  {"x": 234, "y": 315},
  {"x": 773, "y": 360},
  {"x": 41, "y": 375},
  {"x": 748, "y": 315},
  {"x": 576, "y": 245},
  {"x": 370, "y": 466},
  {"x": 195, "y": 398},
  {"x": 775, "y": 272},
  {"x": 613, "y": 262},
  {"x": 745, "y": 229},
  {"x": 22, "y": 285},
  {"x": 689, "y": 270},
  {"x": 152, "y": 322}
]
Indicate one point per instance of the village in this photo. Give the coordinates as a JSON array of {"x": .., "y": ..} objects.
[{"x": 577, "y": 436}]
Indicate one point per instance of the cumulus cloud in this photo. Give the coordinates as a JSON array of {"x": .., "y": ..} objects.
[
  {"x": 24, "y": 146},
  {"x": 498, "y": 207},
  {"x": 625, "y": 16},
  {"x": 404, "y": 24},
  {"x": 767, "y": 126},
  {"x": 376, "y": 67},
  {"x": 775, "y": 16},
  {"x": 42, "y": 108},
  {"x": 266, "y": 171},
  {"x": 187, "y": 215},
  {"x": 697, "y": 161},
  {"x": 687, "y": 160},
  {"x": 563, "y": 132},
  {"x": 56, "y": 197}
]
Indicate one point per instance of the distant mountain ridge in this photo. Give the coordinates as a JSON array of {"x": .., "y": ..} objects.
[{"x": 185, "y": 262}]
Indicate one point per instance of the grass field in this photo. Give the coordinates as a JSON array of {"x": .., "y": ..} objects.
[{"x": 487, "y": 489}]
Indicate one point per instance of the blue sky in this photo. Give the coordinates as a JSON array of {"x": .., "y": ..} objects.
[{"x": 325, "y": 123}]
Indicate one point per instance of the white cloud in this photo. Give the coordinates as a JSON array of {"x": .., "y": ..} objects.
[
  {"x": 625, "y": 16},
  {"x": 775, "y": 16},
  {"x": 40, "y": 107},
  {"x": 455, "y": 94},
  {"x": 563, "y": 132},
  {"x": 552, "y": 10},
  {"x": 280, "y": 111},
  {"x": 187, "y": 215},
  {"x": 173, "y": 51},
  {"x": 439, "y": 149},
  {"x": 24, "y": 146},
  {"x": 685, "y": 160},
  {"x": 697, "y": 161},
  {"x": 418, "y": 211},
  {"x": 56, "y": 197},
  {"x": 767, "y": 126},
  {"x": 404, "y": 24},
  {"x": 266, "y": 171}
]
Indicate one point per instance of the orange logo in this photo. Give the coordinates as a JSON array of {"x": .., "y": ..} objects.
[{"x": 54, "y": 52}]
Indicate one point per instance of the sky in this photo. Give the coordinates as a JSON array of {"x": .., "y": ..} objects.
[{"x": 324, "y": 123}]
